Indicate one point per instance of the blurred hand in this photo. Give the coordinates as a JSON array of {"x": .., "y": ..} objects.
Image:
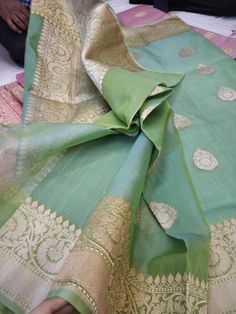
[
  {"x": 15, "y": 15},
  {"x": 54, "y": 305}
]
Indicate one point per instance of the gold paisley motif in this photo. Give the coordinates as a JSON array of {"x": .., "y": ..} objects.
[
  {"x": 165, "y": 214},
  {"x": 204, "y": 160},
  {"x": 181, "y": 122},
  {"x": 227, "y": 94}
]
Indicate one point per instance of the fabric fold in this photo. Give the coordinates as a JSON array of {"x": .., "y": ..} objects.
[{"x": 111, "y": 191}]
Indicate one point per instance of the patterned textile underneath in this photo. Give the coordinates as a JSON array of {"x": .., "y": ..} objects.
[
  {"x": 11, "y": 100},
  {"x": 144, "y": 14}
]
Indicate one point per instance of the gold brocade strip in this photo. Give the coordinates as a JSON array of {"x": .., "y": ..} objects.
[
  {"x": 143, "y": 35},
  {"x": 114, "y": 287},
  {"x": 34, "y": 244}
]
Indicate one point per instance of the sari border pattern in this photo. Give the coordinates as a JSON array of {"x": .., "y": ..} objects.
[{"x": 104, "y": 243}]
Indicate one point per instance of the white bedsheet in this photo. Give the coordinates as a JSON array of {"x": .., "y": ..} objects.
[
  {"x": 220, "y": 25},
  {"x": 8, "y": 68}
]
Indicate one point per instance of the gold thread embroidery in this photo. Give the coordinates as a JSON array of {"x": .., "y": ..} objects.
[
  {"x": 98, "y": 60},
  {"x": 186, "y": 52},
  {"x": 222, "y": 261},
  {"x": 104, "y": 245},
  {"x": 53, "y": 97},
  {"x": 140, "y": 14},
  {"x": 181, "y": 122},
  {"x": 18, "y": 300},
  {"x": 205, "y": 69},
  {"x": 204, "y": 160},
  {"x": 143, "y": 35},
  {"x": 222, "y": 267},
  {"x": 227, "y": 94},
  {"x": 38, "y": 239},
  {"x": 209, "y": 35},
  {"x": 147, "y": 111},
  {"x": 157, "y": 90},
  {"x": 165, "y": 214}
]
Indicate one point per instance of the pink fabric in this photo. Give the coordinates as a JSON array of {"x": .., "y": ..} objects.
[
  {"x": 20, "y": 79},
  {"x": 139, "y": 15},
  {"x": 227, "y": 44},
  {"x": 11, "y": 100},
  {"x": 145, "y": 14}
]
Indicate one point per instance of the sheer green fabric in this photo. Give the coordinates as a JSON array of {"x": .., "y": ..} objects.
[{"x": 119, "y": 198}]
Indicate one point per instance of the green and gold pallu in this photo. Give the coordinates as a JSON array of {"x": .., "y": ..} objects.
[{"x": 118, "y": 192}]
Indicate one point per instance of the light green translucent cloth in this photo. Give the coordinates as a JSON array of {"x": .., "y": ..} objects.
[{"x": 135, "y": 211}]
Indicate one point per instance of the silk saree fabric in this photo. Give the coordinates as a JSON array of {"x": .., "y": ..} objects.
[{"x": 118, "y": 192}]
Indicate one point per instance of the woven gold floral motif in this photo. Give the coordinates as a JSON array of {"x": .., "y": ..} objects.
[
  {"x": 205, "y": 69},
  {"x": 67, "y": 35},
  {"x": 181, "y": 122},
  {"x": 222, "y": 267},
  {"x": 204, "y": 160},
  {"x": 35, "y": 243},
  {"x": 186, "y": 52},
  {"x": 116, "y": 287},
  {"x": 227, "y": 94},
  {"x": 36, "y": 237},
  {"x": 98, "y": 60},
  {"x": 165, "y": 214},
  {"x": 54, "y": 98}
]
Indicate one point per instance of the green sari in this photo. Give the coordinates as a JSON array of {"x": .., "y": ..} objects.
[{"x": 118, "y": 192}]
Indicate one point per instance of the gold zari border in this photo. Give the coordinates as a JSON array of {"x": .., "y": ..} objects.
[
  {"x": 34, "y": 244},
  {"x": 116, "y": 288},
  {"x": 143, "y": 35}
]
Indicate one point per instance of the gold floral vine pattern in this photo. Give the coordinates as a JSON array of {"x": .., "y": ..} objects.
[
  {"x": 223, "y": 258},
  {"x": 53, "y": 97},
  {"x": 222, "y": 267},
  {"x": 104, "y": 244},
  {"x": 38, "y": 239}
]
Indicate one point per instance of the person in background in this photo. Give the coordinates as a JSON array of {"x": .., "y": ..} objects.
[
  {"x": 14, "y": 20},
  {"x": 210, "y": 7}
]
